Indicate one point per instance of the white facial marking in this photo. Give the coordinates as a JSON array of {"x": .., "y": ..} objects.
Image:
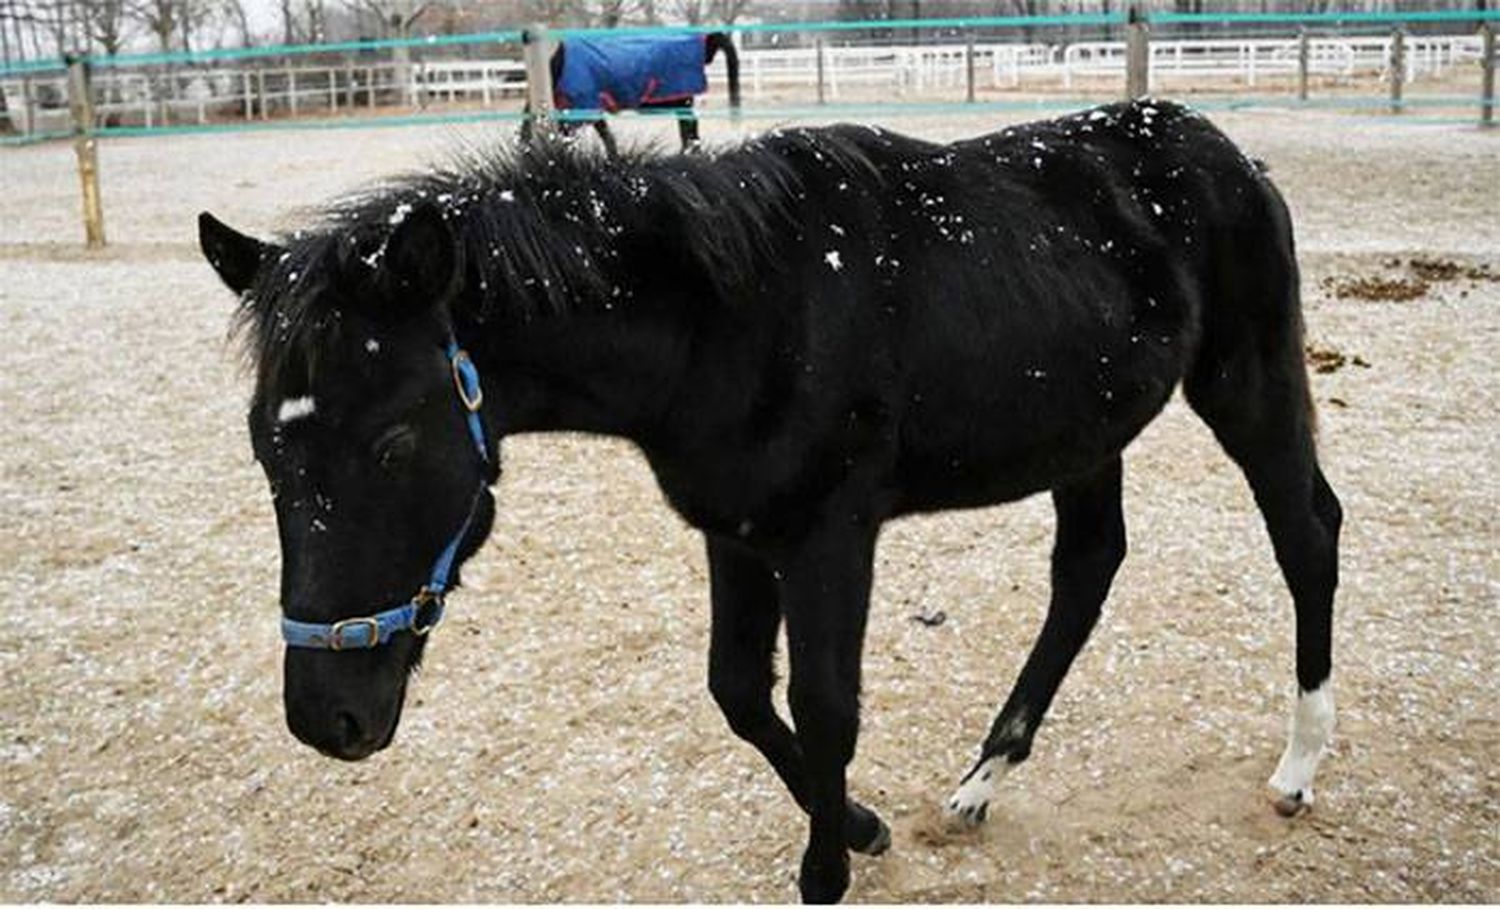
[
  {"x": 295, "y": 409},
  {"x": 1310, "y": 728}
]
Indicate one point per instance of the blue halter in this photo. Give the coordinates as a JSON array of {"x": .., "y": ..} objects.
[{"x": 423, "y": 612}]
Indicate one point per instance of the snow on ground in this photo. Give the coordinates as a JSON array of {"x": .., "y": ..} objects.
[{"x": 560, "y": 744}]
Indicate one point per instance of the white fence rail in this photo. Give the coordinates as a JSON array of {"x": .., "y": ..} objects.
[
  {"x": 1253, "y": 59},
  {"x": 39, "y": 103}
]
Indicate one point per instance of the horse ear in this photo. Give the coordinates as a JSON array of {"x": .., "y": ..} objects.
[
  {"x": 235, "y": 256},
  {"x": 422, "y": 254}
]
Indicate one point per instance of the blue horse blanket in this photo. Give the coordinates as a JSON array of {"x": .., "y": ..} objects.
[{"x": 628, "y": 72}]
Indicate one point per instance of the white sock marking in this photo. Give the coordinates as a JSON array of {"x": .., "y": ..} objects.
[
  {"x": 1310, "y": 728},
  {"x": 973, "y": 795},
  {"x": 295, "y": 409},
  {"x": 975, "y": 792}
]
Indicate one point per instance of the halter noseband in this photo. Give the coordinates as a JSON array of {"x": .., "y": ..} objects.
[{"x": 423, "y": 612}]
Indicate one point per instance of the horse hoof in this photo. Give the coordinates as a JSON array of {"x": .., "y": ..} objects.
[
  {"x": 1293, "y": 804},
  {"x": 967, "y": 814},
  {"x": 879, "y": 844},
  {"x": 824, "y": 883},
  {"x": 866, "y": 834}
]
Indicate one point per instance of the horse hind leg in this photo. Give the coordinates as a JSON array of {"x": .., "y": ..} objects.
[
  {"x": 1090, "y": 544},
  {"x": 1249, "y": 384},
  {"x": 687, "y": 128}
]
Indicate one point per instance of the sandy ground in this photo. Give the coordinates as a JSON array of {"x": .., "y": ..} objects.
[{"x": 560, "y": 744}]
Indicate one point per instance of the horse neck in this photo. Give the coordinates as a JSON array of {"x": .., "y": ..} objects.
[
  {"x": 611, "y": 372},
  {"x": 662, "y": 320}
]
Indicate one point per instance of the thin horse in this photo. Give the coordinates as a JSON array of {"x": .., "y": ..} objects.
[
  {"x": 807, "y": 336},
  {"x": 651, "y": 74}
]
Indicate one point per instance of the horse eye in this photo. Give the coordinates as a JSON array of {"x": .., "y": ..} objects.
[{"x": 394, "y": 446}]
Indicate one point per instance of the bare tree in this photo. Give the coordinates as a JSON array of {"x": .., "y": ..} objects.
[
  {"x": 610, "y": 13},
  {"x": 106, "y": 22},
  {"x": 391, "y": 18},
  {"x": 315, "y": 21},
  {"x": 239, "y": 18},
  {"x": 59, "y": 22},
  {"x": 161, "y": 18},
  {"x": 552, "y": 12},
  {"x": 195, "y": 17},
  {"x": 693, "y": 11},
  {"x": 728, "y": 11}
]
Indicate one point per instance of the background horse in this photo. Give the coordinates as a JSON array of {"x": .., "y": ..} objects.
[
  {"x": 806, "y": 336},
  {"x": 637, "y": 73}
]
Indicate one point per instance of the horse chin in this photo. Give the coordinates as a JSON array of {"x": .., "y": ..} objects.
[{"x": 351, "y": 736}]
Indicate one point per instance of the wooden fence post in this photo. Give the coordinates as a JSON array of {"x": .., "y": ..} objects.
[
  {"x": 1137, "y": 54},
  {"x": 537, "y": 48},
  {"x": 1398, "y": 67},
  {"x": 81, "y": 106},
  {"x": 1304, "y": 62},
  {"x": 28, "y": 101},
  {"x": 1487, "y": 90}
]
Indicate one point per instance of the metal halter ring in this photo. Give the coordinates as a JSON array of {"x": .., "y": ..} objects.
[
  {"x": 426, "y": 597},
  {"x": 336, "y": 633},
  {"x": 460, "y": 360}
]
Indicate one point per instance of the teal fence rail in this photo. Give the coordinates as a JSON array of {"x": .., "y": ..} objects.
[
  {"x": 361, "y": 84},
  {"x": 1077, "y": 20}
]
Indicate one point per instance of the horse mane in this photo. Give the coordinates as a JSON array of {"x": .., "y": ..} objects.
[{"x": 546, "y": 227}]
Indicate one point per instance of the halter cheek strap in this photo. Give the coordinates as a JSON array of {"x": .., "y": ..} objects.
[{"x": 423, "y": 612}]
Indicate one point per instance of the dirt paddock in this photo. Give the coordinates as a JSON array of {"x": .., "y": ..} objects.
[{"x": 560, "y": 743}]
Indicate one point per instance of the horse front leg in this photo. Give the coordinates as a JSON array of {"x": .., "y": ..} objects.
[
  {"x": 1089, "y": 547},
  {"x": 746, "y": 617},
  {"x": 825, "y": 592}
]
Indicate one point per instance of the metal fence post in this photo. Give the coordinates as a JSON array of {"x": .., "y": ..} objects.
[
  {"x": 1398, "y": 67},
  {"x": 1487, "y": 90},
  {"x": 1304, "y": 60},
  {"x": 1137, "y": 54},
  {"x": 401, "y": 74},
  {"x": 537, "y": 49},
  {"x": 969, "y": 65},
  {"x": 821, "y": 99},
  {"x": 81, "y": 106}
]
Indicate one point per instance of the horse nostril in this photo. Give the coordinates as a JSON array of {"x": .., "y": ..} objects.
[{"x": 350, "y": 733}]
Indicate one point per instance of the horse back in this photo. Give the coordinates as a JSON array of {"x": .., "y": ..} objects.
[{"x": 1021, "y": 304}]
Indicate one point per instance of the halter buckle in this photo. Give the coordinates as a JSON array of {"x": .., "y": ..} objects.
[
  {"x": 336, "y": 633},
  {"x": 426, "y": 599},
  {"x": 462, "y": 367}
]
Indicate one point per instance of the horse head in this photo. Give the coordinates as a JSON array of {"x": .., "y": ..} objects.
[{"x": 365, "y": 418}]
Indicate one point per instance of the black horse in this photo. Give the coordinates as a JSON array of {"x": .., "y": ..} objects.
[
  {"x": 806, "y": 335},
  {"x": 687, "y": 121}
]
